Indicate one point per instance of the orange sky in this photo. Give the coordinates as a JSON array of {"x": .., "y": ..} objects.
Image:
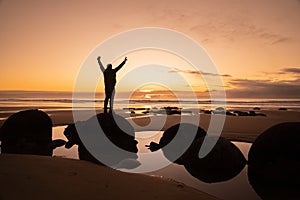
[{"x": 254, "y": 43}]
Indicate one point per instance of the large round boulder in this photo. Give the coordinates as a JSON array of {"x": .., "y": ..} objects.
[
  {"x": 222, "y": 163},
  {"x": 28, "y": 132},
  {"x": 274, "y": 162},
  {"x": 116, "y": 128},
  {"x": 173, "y": 147}
]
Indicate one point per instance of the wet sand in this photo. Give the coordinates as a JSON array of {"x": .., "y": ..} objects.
[{"x": 42, "y": 177}]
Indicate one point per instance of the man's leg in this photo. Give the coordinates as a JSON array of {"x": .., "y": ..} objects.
[
  {"x": 111, "y": 101},
  {"x": 107, "y": 97},
  {"x": 105, "y": 104}
]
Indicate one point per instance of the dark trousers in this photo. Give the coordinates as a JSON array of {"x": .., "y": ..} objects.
[{"x": 109, "y": 95}]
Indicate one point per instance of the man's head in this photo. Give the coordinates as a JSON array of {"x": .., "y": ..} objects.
[{"x": 109, "y": 66}]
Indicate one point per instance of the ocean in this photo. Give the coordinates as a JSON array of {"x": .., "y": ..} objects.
[{"x": 12, "y": 101}]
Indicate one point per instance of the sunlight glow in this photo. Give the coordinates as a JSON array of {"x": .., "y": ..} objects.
[{"x": 146, "y": 90}]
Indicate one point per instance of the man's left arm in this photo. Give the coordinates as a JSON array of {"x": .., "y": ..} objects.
[{"x": 121, "y": 65}]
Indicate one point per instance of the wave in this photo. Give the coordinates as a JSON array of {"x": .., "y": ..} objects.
[
  {"x": 228, "y": 101},
  {"x": 84, "y": 97}
]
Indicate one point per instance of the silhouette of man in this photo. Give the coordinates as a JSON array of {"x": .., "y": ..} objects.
[{"x": 109, "y": 82}]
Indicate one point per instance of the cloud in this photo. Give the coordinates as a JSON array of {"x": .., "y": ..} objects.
[
  {"x": 228, "y": 22},
  {"x": 272, "y": 38},
  {"x": 293, "y": 70},
  {"x": 232, "y": 29},
  {"x": 264, "y": 89},
  {"x": 195, "y": 72},
  {"x": 238, "y": 31}
]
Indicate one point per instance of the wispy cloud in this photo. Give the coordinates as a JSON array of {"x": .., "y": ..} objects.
[
  {"x": 272, "y": 38},
  {"x": 195, "y": 72},
  {"x": 239, "y": 30},
  {"x": 264, "y": 88},
  {"x": 293, "y": 70}
]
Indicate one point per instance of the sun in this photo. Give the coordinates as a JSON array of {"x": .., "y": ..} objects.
[
  {"x": 147, "y": 96},
  {"x": 146, "y": 90}
]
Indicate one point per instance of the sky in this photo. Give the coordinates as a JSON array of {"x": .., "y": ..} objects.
[{"x": 255, "y": 44}]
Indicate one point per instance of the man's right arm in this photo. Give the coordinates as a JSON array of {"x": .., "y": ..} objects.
[{"x": 100, "y": 64}]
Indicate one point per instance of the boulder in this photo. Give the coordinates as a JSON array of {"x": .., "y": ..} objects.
[
  {"x": 185, "y": 132},
  {"x": 219, "y": 110},
  {"x": 230, "y": 113},
  {"x": 274, "y": 162},
  {"x": 282, "y": 109},
  {"x": 222, "y": 163},
  {"x": 278, "y": 143},
  {"x": 74, "y": 139},
  {"x": 116, "y": 128},
  {"x": 28, "y": 132},
  {"x": 241, "y": 113},
  {"x": 207, "y": 111},
  {"x": 252, "y": 113}
]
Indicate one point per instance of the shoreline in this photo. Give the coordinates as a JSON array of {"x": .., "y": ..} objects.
[{"x": 236, "y": 128}]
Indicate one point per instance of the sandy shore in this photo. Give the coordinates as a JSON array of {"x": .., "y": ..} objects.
[{"x": 42, "y": 177}]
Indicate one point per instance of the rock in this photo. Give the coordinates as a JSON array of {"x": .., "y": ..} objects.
[
  {"x": 274, "y": 162},
  {"x": 241, "y": 113},
  {"x": 74, "y": 139},
  {"x": 252, "y": 113},
  {"x": 222, "y": 163},
  {"x": 115, "y": 128},
  {"x": 153, "y": 146},
  {"x": 219, "y": 110},
  {"x": 280, "y": 142},
  {"x": 207, "y": 111},
  {"x": 171, "y": 110},
  {"x": 179, "y": 146},
  {"x": 28, "y": 132},
  {"x": 282, "y": 109},
  {"x": 230, "y": 113}
]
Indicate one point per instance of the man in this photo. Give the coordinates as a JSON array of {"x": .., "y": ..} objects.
[{"x": 110, "y": 82}]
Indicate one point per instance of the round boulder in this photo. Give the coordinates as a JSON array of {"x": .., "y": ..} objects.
[
  {"x": 116, "y": 128},
  {"x": 222, "y": 163},
  {"x": 28, "y": 132},
  {"x": 173, "y": 147},
  {"x": 274, "y": 162}
]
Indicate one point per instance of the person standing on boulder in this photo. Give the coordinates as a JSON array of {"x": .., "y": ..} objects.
[{"x": 109, "y": 82}]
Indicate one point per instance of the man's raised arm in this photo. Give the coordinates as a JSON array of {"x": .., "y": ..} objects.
[
  {"x": 121, "y": 65},
  {"x": 100, "y": 64}
]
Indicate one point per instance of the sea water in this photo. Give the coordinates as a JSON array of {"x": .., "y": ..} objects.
[{"x": 14, "y": 101}]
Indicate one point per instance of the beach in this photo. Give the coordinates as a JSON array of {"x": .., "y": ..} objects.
[
  {"x": 60, "y": 171},
  {"x": 41, "y": 177}
]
